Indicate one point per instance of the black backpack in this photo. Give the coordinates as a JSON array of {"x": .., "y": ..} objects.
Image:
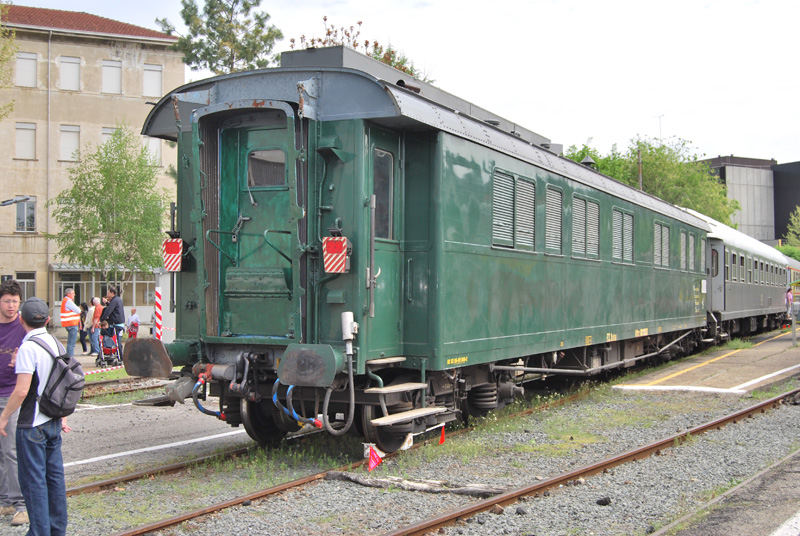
[{"x": 64, "y": 386}]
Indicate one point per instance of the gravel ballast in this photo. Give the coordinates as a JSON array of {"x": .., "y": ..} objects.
[{"x": 634, "y": 499}]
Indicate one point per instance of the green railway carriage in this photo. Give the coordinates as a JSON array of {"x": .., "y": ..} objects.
[{"x": 390, "y": 257}]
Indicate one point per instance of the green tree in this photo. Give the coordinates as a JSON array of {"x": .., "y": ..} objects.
[
  {"x": 790, "y": 251},
  {"x": 227, "y": 36},
  {"x": 349, "y": 37},
  {"x": 670, "y": 171},
  {"x": 8, "y": 51},
  {"x": 793, "y": 229},
  {"x": 111, "y": 218}
]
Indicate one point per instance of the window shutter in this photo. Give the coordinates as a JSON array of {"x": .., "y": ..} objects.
[
  {"x": 553, "y": 223},
  {"x": 525, "y": 209},
  {"x": 578, "y": 227},
  {"x": 503, "y": 210}
]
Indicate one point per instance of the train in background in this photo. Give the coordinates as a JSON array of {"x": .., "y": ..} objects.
[{"x": 364, "y": 252}]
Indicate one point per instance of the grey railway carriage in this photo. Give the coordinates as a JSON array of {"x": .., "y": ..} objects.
[
  {"x": 747, "y": 281},
  {"x": 372, "y": 252}
]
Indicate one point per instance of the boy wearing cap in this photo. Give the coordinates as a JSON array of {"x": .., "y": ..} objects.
[{"x": 40, "y": 463}]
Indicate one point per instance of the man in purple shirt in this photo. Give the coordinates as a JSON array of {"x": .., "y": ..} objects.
[{"x": 11, "y": 335}]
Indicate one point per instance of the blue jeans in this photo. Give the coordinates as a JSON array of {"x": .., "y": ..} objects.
[
  {"x": 41, "y": 476},
  {"x": 72, "y": 338},
  {"x": 96, "y": 340}
]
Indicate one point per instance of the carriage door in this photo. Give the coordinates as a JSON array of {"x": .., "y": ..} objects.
[
  {"x": 384, "y": 169},
  {"x": 257, "y": 236},
  {"x": 717, "y": 275}
]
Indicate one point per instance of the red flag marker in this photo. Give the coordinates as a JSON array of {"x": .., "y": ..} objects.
[
  {"x": 374, "y": 459},
  {"x": 441, "y": 439}
]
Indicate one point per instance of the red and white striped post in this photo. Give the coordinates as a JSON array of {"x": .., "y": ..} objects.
[{"x": 157, "y": 328}]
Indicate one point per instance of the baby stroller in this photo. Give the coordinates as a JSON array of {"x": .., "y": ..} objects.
[{"x": 111, "y": 349}]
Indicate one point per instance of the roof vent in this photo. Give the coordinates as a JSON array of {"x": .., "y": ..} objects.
[
  {"x": 411, "y": 86},
  {"x": 493, "y": 122},
  {"x": 587, "y": 161}
]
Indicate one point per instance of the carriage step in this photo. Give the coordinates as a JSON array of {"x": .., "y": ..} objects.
[
  {"x": 386, "y": 360},
  {"x": 406, "y": 416},
  {"x": 709, "y": 340},
  {"x": 398, "y": 388}
]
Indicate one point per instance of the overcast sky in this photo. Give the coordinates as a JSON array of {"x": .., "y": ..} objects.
[{"x": 720, "y": 74}]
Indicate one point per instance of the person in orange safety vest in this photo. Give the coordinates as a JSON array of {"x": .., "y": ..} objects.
[{"x": 70, "y": 318}]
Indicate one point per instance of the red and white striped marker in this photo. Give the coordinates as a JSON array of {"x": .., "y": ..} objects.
[
  {"x": 334, "y": 254},
  {"x": 157, "y": 330},
  {"x": 102, "y": 370},
  {"x": 172, "y": 250}
]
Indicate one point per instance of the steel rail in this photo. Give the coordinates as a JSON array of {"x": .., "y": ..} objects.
[
  {"x": 512, "y": 496},
  {"x": 175, "y": 520}
]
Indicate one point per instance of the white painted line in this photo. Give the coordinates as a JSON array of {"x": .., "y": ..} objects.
[
  {"x": 82, "y": 407},
  {"x": 768, "y": 376},
  {"x": 679, "y": 388},
  {"x": 790, "y": 528},
  {"x": 152, "y": 449}
]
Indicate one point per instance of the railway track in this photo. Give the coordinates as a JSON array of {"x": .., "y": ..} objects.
[
  {"x": 121, "y": 385},
  {"x": 434, "y": 523}
]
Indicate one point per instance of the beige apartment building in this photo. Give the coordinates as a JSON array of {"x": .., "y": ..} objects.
[{"x": 76, "y": 77}]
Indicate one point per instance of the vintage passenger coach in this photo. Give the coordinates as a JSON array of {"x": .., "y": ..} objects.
[{"x": 368, "y": 251}]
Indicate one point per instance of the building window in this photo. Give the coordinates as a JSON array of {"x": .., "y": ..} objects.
[
  {"x": 70, "y": 142},
  {"x": 154, "y": 148},
  {"x": 26, "y": 69},
  {"x": 585, "y": 228},
  {"x": 27, "y": 281},
  {"x": 70, "y": 74},
  {"x": 26, "y": 216},
  {"x": 513, "y": 209},
  {"x": 552, "y": 228},
  {"x": 112, "y": 76},
  {"x": 106, "y": 134},
  {"x": 26, "y": 141},
  {"x": 151, "y": 85},
  {"x": 622, "y": 240}
]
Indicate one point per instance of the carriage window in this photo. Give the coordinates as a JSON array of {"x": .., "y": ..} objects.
[
  {"x": 553, "y": 221},
  {"x": 585, "y": 228},
  {"x": 266, "y": 168},
  {"x": 750, "y": 270},
  {"x": 715, "y": 263},
  {"x": 513, "y": 211},
  {"x": 703, "y": 256},
  {"x": 622, "y": 236},
  {"x": 683, "y": 250},
  {"x": 383, "y": 188},
  {"x": 692, "y": 266},
  {"x": 734, "y": 267}
]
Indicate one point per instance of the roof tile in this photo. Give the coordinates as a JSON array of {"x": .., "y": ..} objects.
[{"x": 76, "y": 20}]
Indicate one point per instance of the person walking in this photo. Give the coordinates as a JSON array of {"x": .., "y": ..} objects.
[
  {"x": 95, "y": 330},
  {"x": 789, "y": 302},
  {"x": 41, "y": 464},
  {"x": 82, "y": 326},
  {"x": 11, "y": 335},
  {"x": 70, "y": 319},
  {"x": 133, "y": 324}
]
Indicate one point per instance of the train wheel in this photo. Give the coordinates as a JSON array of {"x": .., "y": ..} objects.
[
  {"x": 259, "y": 424},
  {"x": 383, "y": 439}
]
